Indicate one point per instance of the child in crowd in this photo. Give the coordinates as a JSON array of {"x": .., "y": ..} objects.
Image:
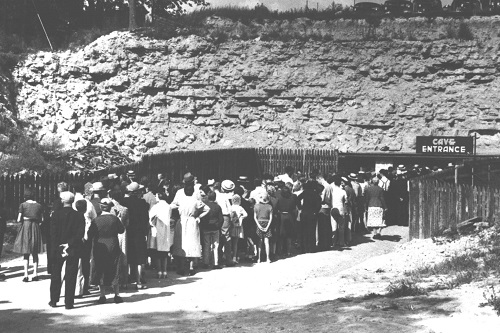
[
  {"x": 210, "y": 227},
  {"x": 237, "y": 214},
  {"x": 263, "y": 214}
]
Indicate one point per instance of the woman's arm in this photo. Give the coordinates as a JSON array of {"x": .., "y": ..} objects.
[
  {"x": 205, "y": 211},
  {"x": 257, "y": 222},
  {"x": 20, "y": 217},
  {"x": 270, "y": 221}
]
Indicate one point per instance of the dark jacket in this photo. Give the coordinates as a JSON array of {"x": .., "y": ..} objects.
[
  {"x": 310, "y": 201},
  {"x": 374, "y": 196},
  {"x": 67, "y": 226},
  {"x": 213, "y": 220},
  {"x": 138, "y": 210}
]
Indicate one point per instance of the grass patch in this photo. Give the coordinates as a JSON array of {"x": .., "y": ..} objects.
[
  {"x": 483, "y": 261},
  {"x": 492, "y": 299},
  {"x": 404, "y": 287}
]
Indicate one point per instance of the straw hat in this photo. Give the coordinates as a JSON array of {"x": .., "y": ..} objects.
[
  {"x": 211, "y": 182},
  {"x": 352, "y": 176},
  {"x": 227, "y": 185},
  {"x": 134, "y": 187},
  {"x": 242, "y": 179},
  {"x": 131, "y": 173}
]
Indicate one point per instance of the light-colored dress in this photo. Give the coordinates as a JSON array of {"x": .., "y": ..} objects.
[
  {"x": 187, "y": 231},
  {"x": 159, "y": 218},
  {"x": 375, "y": 217},
  {"x": 237, "y": 215}
]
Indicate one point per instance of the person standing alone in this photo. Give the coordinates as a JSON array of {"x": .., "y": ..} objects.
[{"x": 67, "y": 231}]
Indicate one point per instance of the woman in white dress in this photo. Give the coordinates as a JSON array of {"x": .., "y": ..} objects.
[
  {"x": 159, "y": 219},
  {"x": 187, "y": 231}
]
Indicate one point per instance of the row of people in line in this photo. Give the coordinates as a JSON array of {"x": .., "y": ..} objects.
[{"x": 106, "y": 230}]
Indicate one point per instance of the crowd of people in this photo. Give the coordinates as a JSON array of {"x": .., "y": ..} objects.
[{"x": 107, "y": 232}]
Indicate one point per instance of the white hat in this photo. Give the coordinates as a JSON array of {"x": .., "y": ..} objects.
[
  {"x": 112, "y": 176},
  {"x": 227, "y": 185},
  {"x": 211, "y": 182},
  {"x": 98, "y": 186},
  {"x": 352, "y": 176},
  {"x": 134, "y": 186}
]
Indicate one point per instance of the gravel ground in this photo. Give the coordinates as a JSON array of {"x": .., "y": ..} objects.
[{"x": 339, "y": 291}]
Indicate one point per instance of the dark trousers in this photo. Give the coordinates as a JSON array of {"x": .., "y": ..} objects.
[
  {"x": 308, "y": 221},
  {"x": 225, "y": 242},
  {"x": 324, "y": 232},
  {"x": 86, "y": 250},
  {"x": 69, "y": 278},
  {"x": 3, "y": 227}
]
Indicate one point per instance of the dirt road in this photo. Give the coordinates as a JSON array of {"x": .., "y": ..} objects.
[{"x": 317, "y": 292}]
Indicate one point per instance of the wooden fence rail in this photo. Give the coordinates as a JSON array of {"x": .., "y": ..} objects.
[
  {"x": 217, "y": 164},
  {"x": 437, "y": 205}
]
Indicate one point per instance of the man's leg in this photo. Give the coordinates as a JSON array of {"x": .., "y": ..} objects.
[
  {"x": 3, "y": 227},
  {"x": 56, "y": 280},
  {"x": 214, "y": 246},
  {"x": 226, "y": 242},
  {"x": 206, "y": 247},
  {"x": 70, "y": 280}
]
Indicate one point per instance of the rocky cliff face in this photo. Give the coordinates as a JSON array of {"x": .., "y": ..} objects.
[{"x": 145, "y": 96}]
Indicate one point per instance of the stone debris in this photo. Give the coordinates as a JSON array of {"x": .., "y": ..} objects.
[{"x": 92, "y": 158}]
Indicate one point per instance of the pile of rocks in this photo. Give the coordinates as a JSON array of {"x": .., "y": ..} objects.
[
  {"x": 148, "y": 96},
  {"x": 92, "y": 158}
]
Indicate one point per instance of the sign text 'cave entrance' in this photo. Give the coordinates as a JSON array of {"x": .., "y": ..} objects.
[{"x": 440, "y": 145}]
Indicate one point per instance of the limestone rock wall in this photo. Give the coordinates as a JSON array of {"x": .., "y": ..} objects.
[{"x": 145, "y": 96}]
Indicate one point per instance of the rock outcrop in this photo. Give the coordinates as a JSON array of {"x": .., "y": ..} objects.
[{"x": 145, "y": 96}]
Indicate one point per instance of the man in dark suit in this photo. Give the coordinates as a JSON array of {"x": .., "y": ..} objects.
[{"x": 66, "y": 233}]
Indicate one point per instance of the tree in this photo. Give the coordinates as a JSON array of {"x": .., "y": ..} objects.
[
  {"x": 336, "y": 7},
  {"x": 160, "y": 8},
  {"x": 132, "y": 23}
]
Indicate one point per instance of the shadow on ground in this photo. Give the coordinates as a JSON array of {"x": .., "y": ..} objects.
[{"x": 360, "y": 314}]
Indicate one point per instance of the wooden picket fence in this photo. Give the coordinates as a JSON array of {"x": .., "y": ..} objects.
[
  {"x": 274, "y": 160},
  {"x": 208, "y": 164},
  {"x": 437, "y": 205}
]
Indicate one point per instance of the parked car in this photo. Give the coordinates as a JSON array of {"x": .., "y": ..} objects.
[
  {"x": 427, "y": 7},
  {"x": 398, "y": 7},
  {"x": 367, "y": 8},
  {"x": 467, "y": 7}
]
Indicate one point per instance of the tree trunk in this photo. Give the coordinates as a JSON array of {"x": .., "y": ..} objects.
[{"x": 132, "y": 24}]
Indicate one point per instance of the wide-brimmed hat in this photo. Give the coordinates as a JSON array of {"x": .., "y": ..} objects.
[
  {"x": 227, "y": 185},
  {"x": 67, "y": 197},
  {"x": 98, "y": 186},
  {"x": 211, "y": 182},
  {"x": 134, "y": 187},
  {"x": 345, "y": 179},
  {"x": 401, "y": 167},
  {"x": 242, "y": 179},
  {"x": 352, "y": 176},
  {"x": 188, "y": 178}
]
